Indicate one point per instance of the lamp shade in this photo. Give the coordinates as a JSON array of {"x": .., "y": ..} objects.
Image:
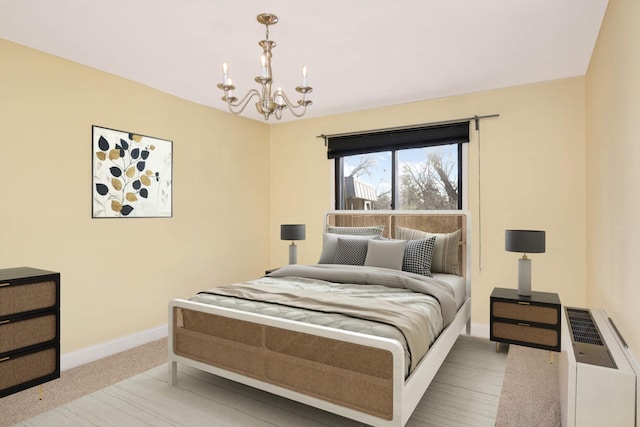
[
  {"x": 524, "y": 241},
  {"x": 292, "y": 232}
]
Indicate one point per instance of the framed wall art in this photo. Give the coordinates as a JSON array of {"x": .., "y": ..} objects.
[{"x": 132, "y": 175}]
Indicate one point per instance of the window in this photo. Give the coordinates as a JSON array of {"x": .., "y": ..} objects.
[{"x": 414, "y": 168}]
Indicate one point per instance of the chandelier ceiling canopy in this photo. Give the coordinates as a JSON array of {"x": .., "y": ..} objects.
[{"x": 267, "y": 103}]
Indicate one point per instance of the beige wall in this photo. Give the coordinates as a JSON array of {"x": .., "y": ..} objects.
[
  {"x": 118, "y": 275},
  {"x": 613, "y": 150},
  {"x": 532, "y": 176},
  {"x": 237, "y": 180}
]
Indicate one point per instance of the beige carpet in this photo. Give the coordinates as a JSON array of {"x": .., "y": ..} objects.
[
  {"x": 80, "y": 381},
  {"x": 530, "y": 390}
]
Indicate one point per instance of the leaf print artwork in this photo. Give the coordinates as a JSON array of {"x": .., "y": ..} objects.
[{"x": 132, "y": 175}]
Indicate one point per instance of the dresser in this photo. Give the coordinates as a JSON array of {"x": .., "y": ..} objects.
[
  {"x": 29, "y": 328},
  {"x": 532, "y": 321}
]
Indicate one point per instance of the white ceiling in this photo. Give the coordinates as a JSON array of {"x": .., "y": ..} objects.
[{"x": 360, "y": 54}]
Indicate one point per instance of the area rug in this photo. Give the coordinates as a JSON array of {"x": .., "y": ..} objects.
[
  {"x": 530, "y": 391},
  {"x": 465, "y": 392}
]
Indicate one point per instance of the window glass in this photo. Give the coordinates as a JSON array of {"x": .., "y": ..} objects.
[
  {"x": 428, "y": 178},
  {"x": 367, "y": 181}
]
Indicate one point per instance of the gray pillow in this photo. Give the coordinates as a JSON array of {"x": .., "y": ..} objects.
[
  {"x": 374, "y": 230},
  {"x": 445, "y": 251},
  {"x": 351, "y": 251},
  {"x": 330, "y": 245},
  {"x": 385, "y": 253}
]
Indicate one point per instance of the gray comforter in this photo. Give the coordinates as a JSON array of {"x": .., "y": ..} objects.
[{"x": 410, "y": 308}]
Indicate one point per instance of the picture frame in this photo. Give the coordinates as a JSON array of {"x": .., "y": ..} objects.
[{"x": 132, "y": 175}]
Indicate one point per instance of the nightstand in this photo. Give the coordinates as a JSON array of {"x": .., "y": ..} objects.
[
  {"x": 29, "y": 328},
  {"x": 529, "y": 321}
]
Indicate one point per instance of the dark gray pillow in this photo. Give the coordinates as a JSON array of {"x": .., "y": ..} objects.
[
  {"x": 351, "y": 251},
  {"x": 330, "y": 245}
]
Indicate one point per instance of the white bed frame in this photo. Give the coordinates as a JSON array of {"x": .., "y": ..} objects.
[{"x": 406, "y": 393}]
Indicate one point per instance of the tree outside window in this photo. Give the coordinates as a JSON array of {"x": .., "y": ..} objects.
[{"x": 425, "y": 178}]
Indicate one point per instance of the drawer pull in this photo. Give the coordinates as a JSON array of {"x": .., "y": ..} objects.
[
  {"x": 4, "y": 284},
  {"x": 523, "y": 324},
  {"x": 524, "y": 303},
  {"x": 2, "y": 322},
  {"x": 4, "y": 359}
]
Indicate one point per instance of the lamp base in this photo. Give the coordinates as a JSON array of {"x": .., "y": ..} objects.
[
  {"x": 524, "y": 277},
  {"x": 293, "y": 253}
]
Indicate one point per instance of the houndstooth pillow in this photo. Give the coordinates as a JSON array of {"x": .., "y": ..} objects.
[
  {"x": 351, "y": 251},
  {"x": 445, "y": 252},
  {"x": 418, "y": 255}
]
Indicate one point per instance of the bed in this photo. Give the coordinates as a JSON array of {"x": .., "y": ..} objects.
[{"x": 319, "y": 348}]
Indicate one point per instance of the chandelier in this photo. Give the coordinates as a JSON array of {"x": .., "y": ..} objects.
[{"x": 268, "y": 103}]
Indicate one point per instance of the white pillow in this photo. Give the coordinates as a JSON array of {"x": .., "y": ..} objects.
[
  {"x": 330, "y": 246},
  {"x": 385, "y": 253}
]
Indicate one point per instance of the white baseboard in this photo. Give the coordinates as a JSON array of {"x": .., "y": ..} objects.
[
  {"x": 99, "y": 351},
  {"x": 480, "y": 330}
]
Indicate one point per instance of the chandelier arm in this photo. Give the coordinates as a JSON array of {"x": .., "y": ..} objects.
[
  {"x": 244, "y": 102},
  {"x": 291, "y": 106}
]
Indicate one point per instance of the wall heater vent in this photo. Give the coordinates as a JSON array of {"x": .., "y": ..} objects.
[
  {"x": 598, "y": 373},
  {"x": 588, "y": 345}
]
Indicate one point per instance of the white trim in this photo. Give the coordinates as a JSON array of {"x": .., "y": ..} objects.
[
  {"x": 108, "y": 348},
  {"x": 480, "y": 330}
]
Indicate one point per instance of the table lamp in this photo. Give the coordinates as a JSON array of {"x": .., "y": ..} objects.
[
  {"x": 293, "y": 232},
  {"x": 524, "y": 241}
]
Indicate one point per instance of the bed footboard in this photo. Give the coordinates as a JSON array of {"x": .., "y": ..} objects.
[{"x": 348, "y": 374}]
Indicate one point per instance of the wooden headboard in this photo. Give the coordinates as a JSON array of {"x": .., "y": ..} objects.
[{"x": 430, "y": 221}]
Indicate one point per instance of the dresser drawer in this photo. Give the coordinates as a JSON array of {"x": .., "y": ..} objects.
[
  {"x": 22, "y": 333},
  {"x": 525, "y": 334},
  {"x": 31, "y": 368},
  {"x": 20, "y": 298},
  {"x": 526, "y": 312}
]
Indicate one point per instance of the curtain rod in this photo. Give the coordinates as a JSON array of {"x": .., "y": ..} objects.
[{"x": 444, "y": 122}]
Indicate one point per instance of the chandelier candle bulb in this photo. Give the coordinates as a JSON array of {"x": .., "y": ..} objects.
[
  {"x": 304, "y": 76},
  {"x": 263, "y": 61},
  {"x": 225, "y": 77},
  {"x": 279, "y": 99}
]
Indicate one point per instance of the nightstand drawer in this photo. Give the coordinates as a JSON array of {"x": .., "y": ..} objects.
[
  {"x": 525, "y": 334},
  {"x": 28, "y": 297},
  {"x": 27, "y": 368},
  {"x": 526, "y": 312},
  {"x": 22, "y": 333}
]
